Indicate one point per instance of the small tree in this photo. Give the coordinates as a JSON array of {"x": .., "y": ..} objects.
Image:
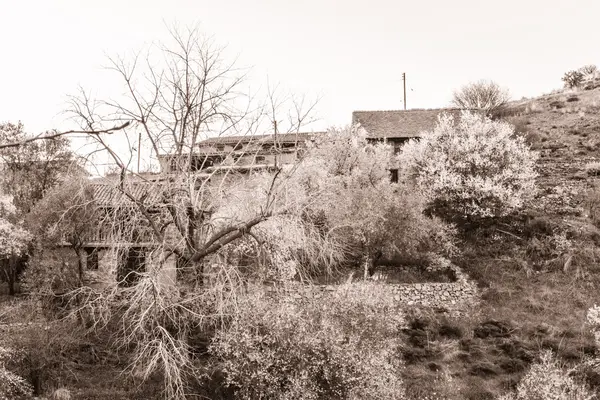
[
  {"x": 14, "y": 241},
  {"x": 588, "y": 70},
  {"x": 471, "y": 168},
  {"x": 12, "y": 386},
  {"x": 66, "y": 214},
  {"x": 483, "y": 95},
  {"x": 348, "y": 179},
  {"x": 340, "y": 346},
  {"x": 31, "y": 169},
  {"x": 547, "y": 379},
  {"x": 573, "y": 79}
]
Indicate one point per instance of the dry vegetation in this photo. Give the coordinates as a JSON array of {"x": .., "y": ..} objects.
[
  {"x": 537, "y": 271},
  {"x": 536, "y": 268}
]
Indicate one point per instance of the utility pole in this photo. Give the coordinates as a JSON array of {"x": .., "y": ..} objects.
[
  {"x": 275, "y": 149},
  {"x": 404, "y": 82},
  {"x": 139, "y": 150}
]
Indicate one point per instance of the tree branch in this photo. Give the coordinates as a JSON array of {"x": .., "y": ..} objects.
[{"x": 59, "y": 134}]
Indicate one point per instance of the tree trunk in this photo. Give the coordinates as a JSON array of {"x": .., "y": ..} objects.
[
  {"x": 12, "y": 274},
  {"x": 11, "y": 284},
  {"x": 368, "y": 266},
  {"x": 81, "y": 261}
]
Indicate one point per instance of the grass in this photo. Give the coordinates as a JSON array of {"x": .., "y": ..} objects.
[
  {"x": 531, "y": 298},
  {"x": 486, "y": 354},
  {"x": 60, "y": 354}
]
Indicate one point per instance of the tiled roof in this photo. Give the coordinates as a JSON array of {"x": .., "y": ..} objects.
[
  {"x": 107, "y": 192},
  {"x": 281, "y": 138},
  {"x": 398, "y": 123}
]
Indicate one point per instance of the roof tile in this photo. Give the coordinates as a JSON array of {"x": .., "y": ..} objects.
[{"x": 399, "y": 123}]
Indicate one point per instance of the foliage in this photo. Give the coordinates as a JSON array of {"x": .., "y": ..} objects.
[
  {"x": 482, "y": 95},
  {"x": 12, "y": 386},
  {"x": 471, "y": 168},
  {"x": 348, "y": 181},
  {"x": 66, "y": 213},
  {"x": 593, "y": 319},
  {"x": 588, "y": 70},
  {"x": 547, "y": 380},
  {"x": 47, "y": 346},
  {"x": 592, "y": 204},
  {"x": 14, "y": 241},
  {"x": 340, "y": 348},
  {"x": 593, "y": 168},
  {"x": 220, "y": 230},
  {"x": 13, "y": 238},
  {"x": 28, "y": 171},
  {"x": 51, "y": 271},
  {"x": 283, "y": 246},
  {"x": 573, "y": 79}
]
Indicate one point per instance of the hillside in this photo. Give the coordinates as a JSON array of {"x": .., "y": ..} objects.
[
  {"x": 565, "y": 128},
  {"x": 537, "y": 271}
]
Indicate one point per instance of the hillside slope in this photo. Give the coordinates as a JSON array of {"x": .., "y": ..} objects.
[
  {"x": 537, "y": 271},
  {"x": 565, "y": 128}
]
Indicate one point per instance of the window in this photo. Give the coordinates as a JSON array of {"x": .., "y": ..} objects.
[
  {"x": 201, "y": 162},
  {"x": 131, "y": 265},
  {"x": 394, "y": 175},
  {"x": 260, "y": 159},
  {"x": 174, "y": 165},
  {"x": 92, "y": 259},
  {"x": 220, "y": 147}
]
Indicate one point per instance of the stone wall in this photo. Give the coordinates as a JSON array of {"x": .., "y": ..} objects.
[{"x": 458, "y": 295}]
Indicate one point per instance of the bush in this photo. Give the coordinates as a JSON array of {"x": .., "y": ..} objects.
[
  {"x": 573, "y": 79},
  {"x": 593, "y": 168},
  {"x": 483, "y": 95},
  {"x": 51, "y": 271},
  {"x": 587, "y": 70},
  {"x": 339, "y": 347},
  {"x": 44, "y": 349},
  {"x": 347, "y": 180},
  {"x": 471, "y": 168},
  {"x": 592, "y": 204},
  {"x": 547, "y": 380},
  {"x": 12, "y": 386}
]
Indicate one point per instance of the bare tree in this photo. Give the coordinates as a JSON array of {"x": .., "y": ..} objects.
[
  {"x": 58, "y": 134},
  {"x": 483, "y": 95},
  {"x": 197, "y": 221}
]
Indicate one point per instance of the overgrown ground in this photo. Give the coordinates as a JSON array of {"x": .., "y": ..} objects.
[{"x": 538, "y": 274}]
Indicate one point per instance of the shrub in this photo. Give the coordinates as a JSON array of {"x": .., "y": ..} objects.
[
  {"x": 483, "y": 95},
  {"x": 592, "y": 204},
  {"x": 546, "y": 380},
  {"x": 589, "y": 71},
  {"x": 471, "y": 168},
  {"x": 573, "y": 79},
  {"x": 11, "y": 385},
  {"x": 342, "y": 346},
  {"x": 593, "y": 168},
  {"x": 349, "y": 186},
  {"x": 51, "y": 271}
]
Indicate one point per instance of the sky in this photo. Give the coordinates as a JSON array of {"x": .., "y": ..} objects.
[{"x": 350, "y": 53}]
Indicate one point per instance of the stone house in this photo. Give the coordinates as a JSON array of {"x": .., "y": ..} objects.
[
  {"x": 396, "y": 127},
  {"x": 241, "y": 154}
]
